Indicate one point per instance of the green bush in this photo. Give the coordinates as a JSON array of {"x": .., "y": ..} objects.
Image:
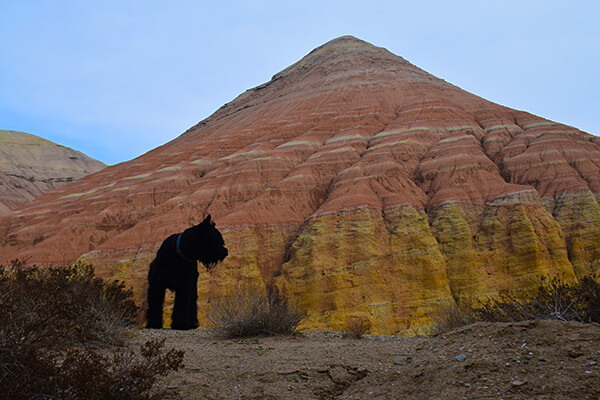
[
  {"x": 250, "y": 310},
  {"x": 554, "y": 299},
  {"x": 61, "y": 336}
]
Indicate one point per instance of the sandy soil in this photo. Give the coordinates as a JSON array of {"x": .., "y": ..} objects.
[{"x": 526, "y": 360}]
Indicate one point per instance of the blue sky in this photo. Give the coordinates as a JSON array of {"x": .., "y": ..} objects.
[{"x": 115, "y": 79}]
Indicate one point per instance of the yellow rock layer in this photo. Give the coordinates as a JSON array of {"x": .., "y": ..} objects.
[
  {"x": 385, "y": 267},
  {"x": 394, "y": 267},
  {"x": 579, "y": 216},
  {"x": 465, "y": 273}
]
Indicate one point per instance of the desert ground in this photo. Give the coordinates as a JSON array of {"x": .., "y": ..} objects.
[{"x": 524, "y": 360}]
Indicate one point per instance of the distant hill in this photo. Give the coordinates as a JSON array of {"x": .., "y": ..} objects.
[{"x": 31, "y": 166}]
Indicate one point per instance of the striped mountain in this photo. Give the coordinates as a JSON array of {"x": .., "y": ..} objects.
[{"x": 358, "y": 183}]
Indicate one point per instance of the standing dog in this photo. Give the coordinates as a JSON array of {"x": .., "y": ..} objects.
[{"x": 176, "y": 268}]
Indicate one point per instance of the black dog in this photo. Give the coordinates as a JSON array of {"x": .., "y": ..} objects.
[{"x": 175, "y": 267}]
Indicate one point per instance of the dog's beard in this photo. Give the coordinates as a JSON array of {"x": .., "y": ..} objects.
[
  {"x": 211, "y": 262},
  {"x": 210, "y": 265}
]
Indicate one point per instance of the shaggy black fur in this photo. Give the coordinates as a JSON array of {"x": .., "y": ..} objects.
[{"x": 175, "y": 268}]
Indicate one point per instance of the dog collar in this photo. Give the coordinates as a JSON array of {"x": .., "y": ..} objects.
[{"x": 180, "y": 252}]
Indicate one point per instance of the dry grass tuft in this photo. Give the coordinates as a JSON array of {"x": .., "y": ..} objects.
[
  {"x": 555, "y": 299},
  {"x": 249, "y": 311},
  {"x": 356, "y": 327}
]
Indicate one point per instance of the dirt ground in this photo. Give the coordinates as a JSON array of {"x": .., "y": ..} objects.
[{"x": 525, "y": 360}]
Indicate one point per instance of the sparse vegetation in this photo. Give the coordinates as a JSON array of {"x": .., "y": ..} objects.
[
  {"x": 60, "y": 334},
  {"x": 554, "y": 299},
  {"x": 251, "y": 310},
  {"x": 119, "y": 221},
  {"x": 356, "y": 327}
]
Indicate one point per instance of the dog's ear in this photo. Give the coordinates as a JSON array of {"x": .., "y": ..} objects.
[{"x": 206, "y": 220}]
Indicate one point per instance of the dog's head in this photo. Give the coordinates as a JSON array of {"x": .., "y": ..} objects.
[{"x": 204, "y": 243}]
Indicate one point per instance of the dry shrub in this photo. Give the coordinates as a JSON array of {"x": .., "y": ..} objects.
[
  {"x": 58, "y": 331},
  {"x": 554, "y": 299},
  {"x": 57, "y": 306},
  {"x": 87, "y": 373},
  {"x": 249, "y": 310},
  {"x": 356, "y": 327},
  {"x": 450, "y": 315},
  {"x": 122, "y": 374}
]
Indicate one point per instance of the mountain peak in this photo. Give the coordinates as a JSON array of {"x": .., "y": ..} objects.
[
  {"x": 344, "y": 48},
  {"x": 342, "y": 62}
]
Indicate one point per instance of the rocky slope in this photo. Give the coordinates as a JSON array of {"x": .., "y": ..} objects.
[
  {"x": 355, "y": 181},
  {"x": 30, "y": 166}
]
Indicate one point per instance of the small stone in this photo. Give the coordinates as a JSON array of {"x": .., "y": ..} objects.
[
  {"x": 518, "y": 383},
  {"x": 340, "y": 375},
  {"x": 575, "y": 353}
]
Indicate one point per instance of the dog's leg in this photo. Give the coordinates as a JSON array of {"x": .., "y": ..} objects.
[
  {"x": 194, "y": 306},
  {"x": 185, "y": 309},
  {"x": 156, "y": 298},
  {"x": 181, "y": 308}
]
